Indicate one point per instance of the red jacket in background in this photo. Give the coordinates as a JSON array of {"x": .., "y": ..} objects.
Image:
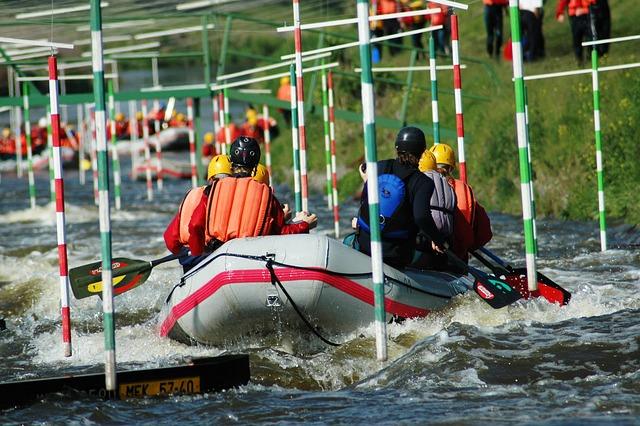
[{"x": 576, "y": 7}]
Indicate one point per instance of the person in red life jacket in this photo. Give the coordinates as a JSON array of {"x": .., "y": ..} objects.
[
  {"x": 122, "y": 126},
  {"x": 579, "y": 22},
  {"x": 234, "y": 133},
  {"x": 178, "y": 119},
  {"x": 443, "y": 205},
  {"x": 251, "y": 128},
  {"x": 471, "y": 224},
  {"x": 39, "y": 136},
  {"x": 284, "y": 94},
  {"x": 404, "y": 195},
  {"x": 208, "y": 146},
  {"x": 493, "y": 12},
  {"x": 7, "y": 145},
  {"x": 441, "y": 36},
  {"x": 410, "y": 23},
  {"x": 185, "y": 232}
]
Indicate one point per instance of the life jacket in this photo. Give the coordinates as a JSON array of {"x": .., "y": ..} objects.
[
  {"x": 387, "y": 6},
  {"x": 496, "y": 2},
  {"x": 438, "y": 18},
  {"x": 238, "y": 208},
  {"x": 464, "y": 218},
  {"x": 188, "y": 206},
  {"x": 443, "y": 203},
  {"x": 576, "y": 7},
  {"x": 393, "y": 208}
]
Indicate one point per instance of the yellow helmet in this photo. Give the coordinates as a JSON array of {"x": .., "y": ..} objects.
[
  {"x": 427, "y": 162},
  {"x": 119, "y": 116},
  {"x": 6, "y": 132},
  {"x": 261, "y": 174},
  {"x": 284, "y": 80},
  {"x": 139, "y": 116},
  {"x": 444, "y": 154},
  {"x": 180, "y": 117},
  {"x": 219, "y": 165},
  {"x": 208, "y": 138}
]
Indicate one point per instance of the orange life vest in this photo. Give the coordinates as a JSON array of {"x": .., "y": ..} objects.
[
  {"x": 579, "y": 7},
  {"x": 238, "y": 208},
  {"x": 188, "y": 206},
  {"x": 463, "y": 218}
]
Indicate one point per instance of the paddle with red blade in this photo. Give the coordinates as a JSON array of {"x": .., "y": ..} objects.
[
  {"x": 517, "y": 278},
  {"x": 86, "y": 280},
  {"x": 493, "y": 290}
]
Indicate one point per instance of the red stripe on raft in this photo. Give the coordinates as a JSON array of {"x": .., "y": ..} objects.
[{"x": 259, "y": 276}]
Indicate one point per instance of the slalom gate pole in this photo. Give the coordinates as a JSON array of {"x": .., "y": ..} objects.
[
  {"x": 295, "y": 142},
  {"x": 147, "y": 148},
  {"x": 157, "y": 128},
  {"x": 216, "y": 122},
  {"x": 334, "y": 173},
  {"x": 192, "y": 144},
  {"x": 297, "y": 37},
  {"x": 82, "y": 135},
  {"x": 368, "y": 122},
  {"x": 94, "y": 157},
  {"x": 223, "y": 146},
  {"x": 327, "y": 138},
  {"x": 267, "y": 141},
  {"x": 457, "y": 90},
  {"x": 52, "y": 185},
  {"x": 59, "y": 200},
  {"x": 227, "y": 121},
  {"x": 434, "y": 90},
  {"x": 117, "y": 181},
  {"x": 201, "y": 175},
  {"x": 27, "y": 135},
  {"x": 16, "y": 126},
  {"x": 533, "y": 199},
  {"x": 105, "y": 220},
  {"x": 523, "y": 153},
  {"x": 133, "y": 134},
  {"x": 598, "y": 138}
]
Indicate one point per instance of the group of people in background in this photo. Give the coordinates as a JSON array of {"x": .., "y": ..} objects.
[{"x": 588, "y": 20}]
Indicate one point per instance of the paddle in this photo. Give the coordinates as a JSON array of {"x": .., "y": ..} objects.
[
  {"x": 517, "y": 278},
  {"x": 86, "y": 280},
  {"x": 493, "y": 290}
]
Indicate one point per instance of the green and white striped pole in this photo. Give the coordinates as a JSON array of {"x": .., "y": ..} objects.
[
  {"x": 294, "y": 140},
  {"x": 103, "y": 188},
  {"x": 523, "y": 153},
  {"x": 327, "y": 139},
  {"x": 334, "y": 171},
  {"x": 52, "y": 185},
  {"x": 369, "y": 125},
  {"x": 434, "y": 90},
  {"x": 114, "y": 146},
  {"x": 598, "y": 138},
  {"x": 27, "y": 136},
  {"x": 533, "y": 199}
]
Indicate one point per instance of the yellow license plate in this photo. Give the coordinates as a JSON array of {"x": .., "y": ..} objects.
[{"x": 159, "y": 387}]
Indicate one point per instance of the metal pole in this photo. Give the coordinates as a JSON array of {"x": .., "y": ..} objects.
[
  {"x": 60, "y": 216},
  {"x": 27, "y": 134},
  {"x": 297, "y": 36},
  {"x": 267, "y": 141},
  {"x": 523, "y": 153},
  {"x": 192, "y": 143},
  {"x": 295, "y": 142},
  {"x": 327, "y": 137},
  {"x": 457, "y": 90},
  {"x": 434, "y": 90},
  {"x": 114, "y": 147},
  {"x": 368, "y": 122},
  {"x": 334, "y": 173},
  {"x": 105, "y": 220}
]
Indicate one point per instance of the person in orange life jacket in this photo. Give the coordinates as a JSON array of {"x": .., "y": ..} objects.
[
  {"x": 441, "y": 36},
  {"x": 579, "y": 22},
  {"x": 471, "y": 227},
  {"x": 284, "y": 94},
  {"x": 443, "y": 205},
  {"x": 186, "y": 231},
  {"x": 404, "y": 195}
]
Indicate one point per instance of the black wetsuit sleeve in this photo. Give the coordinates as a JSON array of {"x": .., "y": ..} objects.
[{"x": 422, "y": 193}]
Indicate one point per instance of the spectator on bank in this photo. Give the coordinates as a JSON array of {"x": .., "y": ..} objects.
[
  {"x": 578, "y": 20},
  {"x": 493, "y": 23},
  {"x": 603, "y": 24},
  {"x": 441, "y": 37},
  {"x": 531, "y": 22}
]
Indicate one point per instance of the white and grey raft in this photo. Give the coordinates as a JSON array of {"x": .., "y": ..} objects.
[{"x": 310, "y": 283}]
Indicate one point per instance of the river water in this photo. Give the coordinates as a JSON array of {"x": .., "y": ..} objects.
[{"x": 531, "y": 362}]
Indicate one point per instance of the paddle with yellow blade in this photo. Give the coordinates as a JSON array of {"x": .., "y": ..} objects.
[{"x": 86, "y": 280}]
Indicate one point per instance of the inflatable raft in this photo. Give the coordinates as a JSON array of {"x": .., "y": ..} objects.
[{"x": 305, "y": 282}]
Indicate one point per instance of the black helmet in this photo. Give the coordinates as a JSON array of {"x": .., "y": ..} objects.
[
  {"x": 411, "y": 139},
  {"x": 245, "y": 151}
]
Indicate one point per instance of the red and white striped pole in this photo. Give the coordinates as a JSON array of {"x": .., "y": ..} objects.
[
  {"x": 216, "y": 122},
  {"x": 334, "y": 173},
  {"x": 59, "y": 193},
  {"x": 457, "y": 90},
  {"x": 297, "y": 36},
  {"x": 223, "y": 146},
  {"x": 192, "y": 143},
  {"x": 158, "y": 129},
  {"x": 267, "y": 140},
  {"x": 147, "y": 150}
]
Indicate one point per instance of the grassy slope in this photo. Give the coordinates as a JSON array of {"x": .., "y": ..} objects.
[{"x": 560, "y": 114}]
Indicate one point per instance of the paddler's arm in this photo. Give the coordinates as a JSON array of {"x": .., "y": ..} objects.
[
  {"x": 172, "y": 235},
  {"x": 197, "y": 239}
]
